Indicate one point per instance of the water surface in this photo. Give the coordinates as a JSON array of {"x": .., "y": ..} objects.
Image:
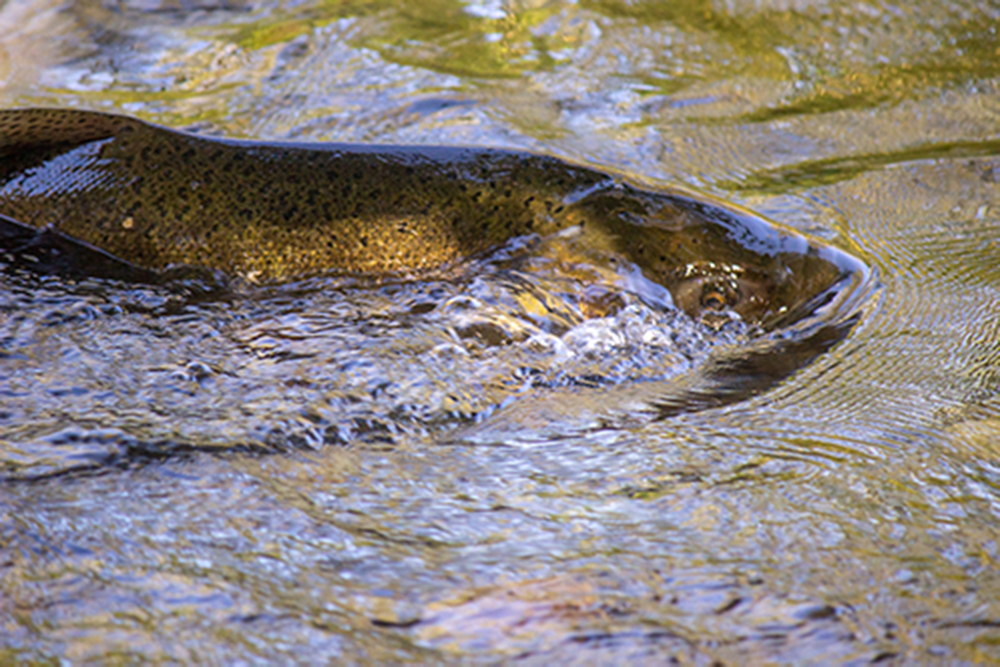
[{"x": 203, "y": 477}]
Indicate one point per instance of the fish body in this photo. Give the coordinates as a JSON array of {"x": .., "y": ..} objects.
[{"x": 266, "y": 211}]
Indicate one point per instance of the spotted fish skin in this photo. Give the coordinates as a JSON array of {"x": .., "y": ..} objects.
[
  {"x": 268, "y": 211},
  {"x": 272, "y": 211}
]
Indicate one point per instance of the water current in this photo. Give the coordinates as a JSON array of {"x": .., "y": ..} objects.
[{"x": 491, "y": 465}]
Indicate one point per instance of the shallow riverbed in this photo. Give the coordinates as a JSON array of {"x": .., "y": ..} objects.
[{"x": 460, "y": 469}]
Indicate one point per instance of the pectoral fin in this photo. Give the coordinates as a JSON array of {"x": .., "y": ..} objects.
[{"x": 48, "y": 251}]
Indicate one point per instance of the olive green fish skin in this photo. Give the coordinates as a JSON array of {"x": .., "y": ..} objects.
[
  {"x": 157, "y": 197},
  {"x": 272, "y": 211}
]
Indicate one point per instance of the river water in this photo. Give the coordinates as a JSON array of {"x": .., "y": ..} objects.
[{"x": 337, "y": 471}]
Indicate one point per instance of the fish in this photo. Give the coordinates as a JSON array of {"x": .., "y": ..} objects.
[{"x": 136, "y": 199}]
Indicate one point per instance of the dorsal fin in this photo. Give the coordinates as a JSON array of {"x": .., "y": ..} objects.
[{"x": 34, "y": 128}]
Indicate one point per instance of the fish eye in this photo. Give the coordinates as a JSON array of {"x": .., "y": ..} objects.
[
  {"x": 719, "y": 294},
  {"x": 713, "y": 299},
  {"x": 713, "y": 291}
]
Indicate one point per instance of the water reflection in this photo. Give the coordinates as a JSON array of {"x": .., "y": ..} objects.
[{"x": 848, "y": 514}]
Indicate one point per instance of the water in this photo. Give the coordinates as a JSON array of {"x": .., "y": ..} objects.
[{"x": 218, "y": 477}]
